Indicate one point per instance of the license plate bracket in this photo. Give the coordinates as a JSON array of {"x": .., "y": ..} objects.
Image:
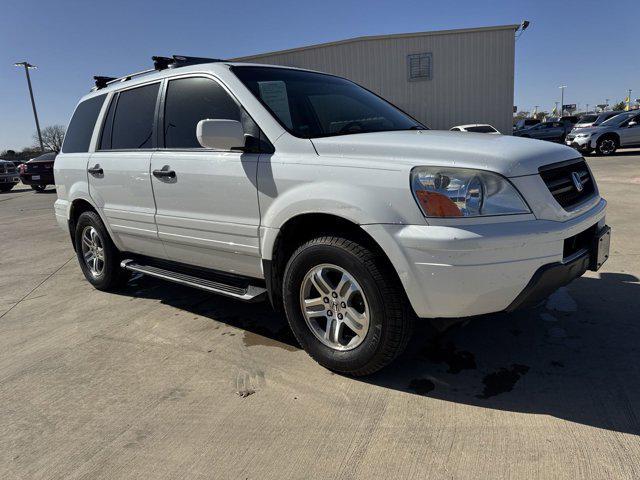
[{"x": 600, "y": 250}]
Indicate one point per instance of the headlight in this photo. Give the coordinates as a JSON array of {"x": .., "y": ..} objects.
[
  {"x": 463, "y": 192},
  {"x": 583, "y": 135}
]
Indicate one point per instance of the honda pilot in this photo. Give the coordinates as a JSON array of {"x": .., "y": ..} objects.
[{"x": 352, "y": 217}]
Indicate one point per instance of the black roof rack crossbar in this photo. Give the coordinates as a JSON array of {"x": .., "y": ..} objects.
[
  {"x": 175, "y": 61},
  {"x": 102, "y": 82},
  {"x": 159, "y": 63}
]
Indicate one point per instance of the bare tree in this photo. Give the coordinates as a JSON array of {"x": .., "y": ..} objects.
[{"x": 52, "y": 137}]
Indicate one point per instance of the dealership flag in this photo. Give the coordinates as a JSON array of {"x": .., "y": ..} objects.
[{"x": 628, "y": 102}]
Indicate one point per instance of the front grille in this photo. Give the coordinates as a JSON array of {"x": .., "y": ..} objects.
[
  {"x": 570, "y": 137},
  {"x": 561, "y": 179}
]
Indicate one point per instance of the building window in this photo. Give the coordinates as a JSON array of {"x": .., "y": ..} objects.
[{"x": 419, "y": 66}]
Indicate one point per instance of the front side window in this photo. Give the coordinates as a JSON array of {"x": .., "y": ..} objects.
[
  {"x": 189, "y": 100},
  {"x": 80, "y": 129},
  {"x": 312, "y": 105},
  {"x": 129, "y": 121}
]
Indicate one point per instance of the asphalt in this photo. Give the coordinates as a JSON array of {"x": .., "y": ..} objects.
[{"x": 159, "y": 381}]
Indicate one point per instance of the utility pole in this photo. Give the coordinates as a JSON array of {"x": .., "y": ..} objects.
[
  {"x": 562, "y": 87},
  {"x": 27, "y": 66}
]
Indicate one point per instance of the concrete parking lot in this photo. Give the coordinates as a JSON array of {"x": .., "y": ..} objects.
[{"x": 144, "y": 383}]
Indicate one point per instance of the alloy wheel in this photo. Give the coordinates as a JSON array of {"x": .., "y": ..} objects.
[
  {"x": 334, "y": 307},
  {"x": 93, "y": 251}
]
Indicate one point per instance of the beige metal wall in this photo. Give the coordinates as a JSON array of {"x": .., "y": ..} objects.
[{"x": 472, "y": 78}]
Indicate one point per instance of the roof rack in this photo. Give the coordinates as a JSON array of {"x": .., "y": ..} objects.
[
  {"x": 102, "y": 82},
  {"x": 176, "y": 61},
  {"x": 159, "y": 63}
]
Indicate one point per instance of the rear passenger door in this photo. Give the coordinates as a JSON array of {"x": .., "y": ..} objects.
[
  {"x": 207, "y": 207},
  {"x": 118, "y": 171}
]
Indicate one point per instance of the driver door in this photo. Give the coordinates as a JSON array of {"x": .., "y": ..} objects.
[{"x": 207, "y": 207}]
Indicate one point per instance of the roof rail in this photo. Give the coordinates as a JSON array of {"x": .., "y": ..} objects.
[
  {"x": 159, "y": 63},
  {"x": 176, "y": 61}
]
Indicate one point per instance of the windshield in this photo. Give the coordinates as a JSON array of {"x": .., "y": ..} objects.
[
  {"x": 482, "y": 129},
  {"x": 588, "y": 118},
  {"x": 617, "y": 119},
  {"x": 312, "y": 105}
]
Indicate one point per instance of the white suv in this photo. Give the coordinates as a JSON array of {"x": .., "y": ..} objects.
[{"x": 252, "y": 181}]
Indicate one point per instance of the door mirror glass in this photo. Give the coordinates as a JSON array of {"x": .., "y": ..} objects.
[{"x": 220, "y": 134}]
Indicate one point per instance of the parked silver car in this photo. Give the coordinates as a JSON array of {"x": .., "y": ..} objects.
[
  {"x": 8, "y": 175},
  {"x": 620, "y": 131}
]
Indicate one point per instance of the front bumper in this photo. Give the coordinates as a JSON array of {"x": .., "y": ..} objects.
[
  {"x": 475, "y": 269},
  {"x": 582, "y": 144}
]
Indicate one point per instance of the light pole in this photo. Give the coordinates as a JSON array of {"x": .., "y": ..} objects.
[
  {"x": 606, "y": 103},
  {"x": 27, "y": 66},
  {"x": 587, "y": 111},
  {"x": 629, "y": 100},
  {"x": 557, "y": 111},
  {"x": 562, "y": 87}
]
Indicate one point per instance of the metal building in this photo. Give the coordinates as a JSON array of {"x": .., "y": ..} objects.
[{"x": 442, "y": 78}]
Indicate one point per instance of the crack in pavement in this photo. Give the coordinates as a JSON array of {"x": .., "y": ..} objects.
[{"x": 37, "y": 286}]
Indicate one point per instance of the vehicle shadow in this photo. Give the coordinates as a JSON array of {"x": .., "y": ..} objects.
[
  {"x": 575, "y": 358},
  {"x": 618, "y": 153},
  {"x": 16, "y": 190}
]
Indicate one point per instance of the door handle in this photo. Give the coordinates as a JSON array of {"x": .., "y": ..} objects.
[
  {"x": 96, "y": 170},
  {"x": 164, "y": 172}
]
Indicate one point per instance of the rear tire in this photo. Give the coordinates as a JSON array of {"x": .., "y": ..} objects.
[
  {"x": 39, "y": 188},
  {"x": 377, "y": 296},
  {"x": 98, "y": 256},
  {"x": 606, "y": 146}
]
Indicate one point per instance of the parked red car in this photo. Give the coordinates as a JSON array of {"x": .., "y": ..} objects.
[{"x": 38, "y": 172}]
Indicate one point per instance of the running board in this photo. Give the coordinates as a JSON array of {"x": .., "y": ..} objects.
[{"x": 247, "y": 293}]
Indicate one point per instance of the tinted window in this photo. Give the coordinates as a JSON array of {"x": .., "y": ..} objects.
[
  {"x": 482, "y": 129},
  {"x": 190, "y": 100},
  {"x": 588, "y": 118},
  {"x": 312, "y": 105},
  {"x": 80, "y": 129},
  {"x": 129, "y": 122}
]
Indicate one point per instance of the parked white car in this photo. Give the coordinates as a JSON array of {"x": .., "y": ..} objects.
[
  {"x": 475, "y": 128},
  {"x": 352, "y": 217}
]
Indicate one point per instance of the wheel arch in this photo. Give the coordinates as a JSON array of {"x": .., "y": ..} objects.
[
  {"x": 281, "y": 243},
  {"x": 76, "y": 208}
]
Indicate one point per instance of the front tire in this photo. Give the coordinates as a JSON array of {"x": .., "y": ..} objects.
[
  {"x": 345, "y": 305},
  {"x": 606, "y": 146},
  {"x": 98, "y": 257}
]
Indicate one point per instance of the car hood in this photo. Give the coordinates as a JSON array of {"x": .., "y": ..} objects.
[
  {"x": 591, "y": 130},
  {"x": 506, "y": 155}
]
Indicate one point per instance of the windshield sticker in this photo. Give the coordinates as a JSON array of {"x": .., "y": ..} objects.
[{"x": 274, "y": 94}]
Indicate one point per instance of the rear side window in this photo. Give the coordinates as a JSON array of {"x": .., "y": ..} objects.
[
  {"x": 80, "y": 129},
  {"x": 189, "y": 100},
  {"x": 482, "y": 129},
  {"x": 129, "y": 122}
]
